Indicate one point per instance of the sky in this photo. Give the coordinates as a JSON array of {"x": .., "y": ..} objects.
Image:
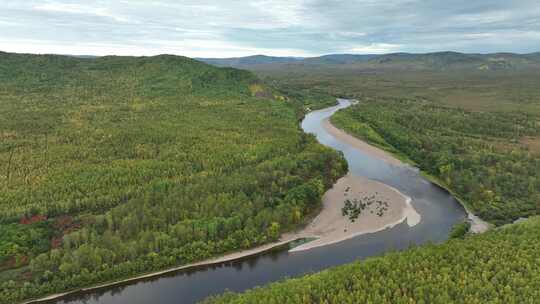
[{"x": 233, "y": 28}]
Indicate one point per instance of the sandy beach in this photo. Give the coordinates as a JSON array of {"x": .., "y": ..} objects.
[
  {"x": 478, "y": 225},
  {"x": 361, "y": 145},
  {"x": 388, "y": 208}
]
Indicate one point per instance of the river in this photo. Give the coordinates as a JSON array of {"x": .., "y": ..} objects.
[{"x": 438, "y": 209}]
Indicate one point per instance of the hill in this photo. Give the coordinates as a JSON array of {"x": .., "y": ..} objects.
[
  {"x": 115, "y": 166},
  {"x": 429, "y": 61},
  {"x": 249, "y": 61},
  {"x": 261, "y": 61},
  {"x": 338, "y": 59}
]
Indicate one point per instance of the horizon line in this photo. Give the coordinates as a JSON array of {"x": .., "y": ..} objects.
[{"x": 265, "y": 55}]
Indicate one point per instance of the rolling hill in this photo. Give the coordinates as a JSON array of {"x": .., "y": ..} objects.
[
  {"x": 249, "y": 61},
  {"x": 429, "y": 61}
]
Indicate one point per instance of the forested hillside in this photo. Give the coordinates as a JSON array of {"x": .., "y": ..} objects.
[
  {"x": 115, "y": 166},
  {"x": 500, "y": 266},
  {"x": 478, "y": 155}
]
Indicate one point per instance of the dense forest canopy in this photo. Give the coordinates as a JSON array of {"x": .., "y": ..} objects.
[
  {"x": 500, "y": 266},
  {"x": 115, "y": 166}
]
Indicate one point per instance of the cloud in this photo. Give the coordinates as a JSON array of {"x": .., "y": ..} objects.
[
  {"x": 375, "y": 48},
  {"x": 190, "y": 48},
  {"x": 274, "y": 27},
  {"x": 79, "y": 9},
  {"x": 279, "y": 13}
]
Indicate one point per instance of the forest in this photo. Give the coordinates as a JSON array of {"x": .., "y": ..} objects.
[
  {"x": 477, "y": 155},
  {"x": 117, "y": 166},
  {"x": 500, "y": 266}
]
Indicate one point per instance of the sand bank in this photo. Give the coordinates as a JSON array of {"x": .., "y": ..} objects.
[
  {"x": 389, "y": 207},
  {"x": 361, "y": 145},
  {"x": 478, "y": 225}
]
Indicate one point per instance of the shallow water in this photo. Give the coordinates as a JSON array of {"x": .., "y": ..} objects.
[{"x": 438, "y": 209}]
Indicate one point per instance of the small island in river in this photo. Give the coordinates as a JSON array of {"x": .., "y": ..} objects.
[
  {"x": 383, "y": 206},
  {"x": 332, "y": 226}
]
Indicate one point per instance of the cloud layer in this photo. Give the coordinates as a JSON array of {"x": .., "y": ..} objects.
[{"x": 202, "y": 28}]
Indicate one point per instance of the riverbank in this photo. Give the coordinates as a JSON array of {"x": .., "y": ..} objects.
[
  {"x": 361, "y": 145},
  {"x": 329, "y": 227},
  {"x": 385, "y": 208},
  {"x": 285, "y": 240},
  {"x": 478, "y": 225}
]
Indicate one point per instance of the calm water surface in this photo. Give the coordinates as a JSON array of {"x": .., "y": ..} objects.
[{"x": 439, "y": 211}]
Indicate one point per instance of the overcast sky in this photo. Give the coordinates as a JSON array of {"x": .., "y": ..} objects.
[{"x": 227, "y": 28}]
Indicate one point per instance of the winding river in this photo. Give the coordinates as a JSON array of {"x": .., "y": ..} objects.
[{"x": 438, "y": 209}]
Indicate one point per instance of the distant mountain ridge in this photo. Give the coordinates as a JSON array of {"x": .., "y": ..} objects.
[
  {"x": 437, "y": 60},
  {"x": 428, "y": 61},
  {"x": 263, "y": 59},
  {"x": 249, "y": 60}
]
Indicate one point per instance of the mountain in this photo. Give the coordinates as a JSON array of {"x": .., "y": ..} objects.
[
  {"x": 262, "y": 60},
  {"x": 534, "y": 56},
  {"x": 338, "y": 59},
  {"x": 428, "y": 61},
  {"x": 84, "y": 56},
  {"x": 439, "y": 59},
  {"x": 249, "y": 60}
]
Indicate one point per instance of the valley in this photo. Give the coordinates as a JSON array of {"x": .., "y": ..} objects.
[{"x": 118, "y": 166}]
